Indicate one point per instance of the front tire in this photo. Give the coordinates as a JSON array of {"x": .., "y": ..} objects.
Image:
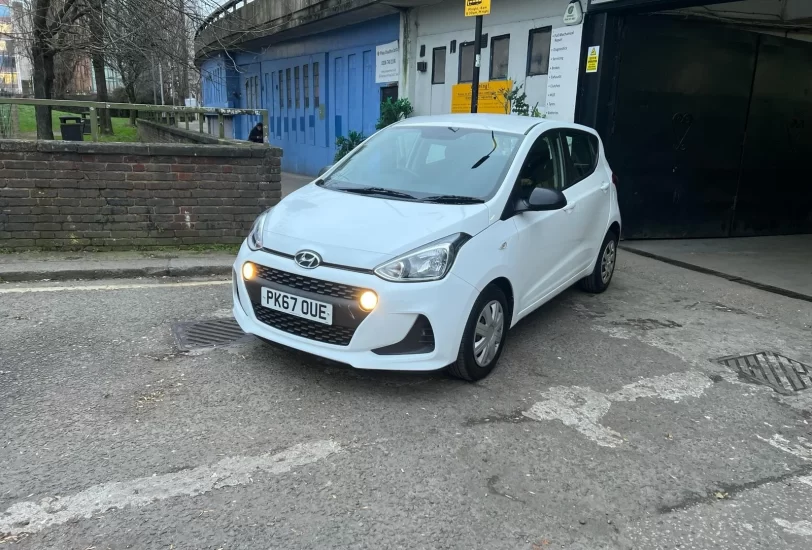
[
  {"x": 601, "y": 275},
  {"x": 484, "y": 337}
]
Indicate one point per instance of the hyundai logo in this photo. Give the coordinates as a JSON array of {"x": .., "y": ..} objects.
[{"x": 307, "y": 259}]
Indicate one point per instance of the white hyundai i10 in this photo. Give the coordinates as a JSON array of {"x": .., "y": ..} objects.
[{"x": 422, "y": 247}]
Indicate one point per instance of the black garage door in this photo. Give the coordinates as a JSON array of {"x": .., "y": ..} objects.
[{"x": 711, "y": 131}]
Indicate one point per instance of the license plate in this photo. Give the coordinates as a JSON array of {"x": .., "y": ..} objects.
[{"x": 298, "y": 306}]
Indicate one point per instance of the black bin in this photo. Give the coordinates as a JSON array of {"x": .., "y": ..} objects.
[{"x": 71, "y": 128}]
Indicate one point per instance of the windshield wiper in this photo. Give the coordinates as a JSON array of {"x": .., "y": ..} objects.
[
  {"x": 376, "y": 191},
  {"x": 452, "y": 199}
]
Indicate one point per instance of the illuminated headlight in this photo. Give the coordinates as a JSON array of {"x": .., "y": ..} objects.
[
  {"x": 427, "y": 263},
  {"x": 368, "y": 300},
  {"x": 248, "y": 271},
  {"x": 254, "y": 239}
]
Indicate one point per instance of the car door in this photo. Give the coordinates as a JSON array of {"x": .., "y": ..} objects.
[
  {"x": 588, "y": 194},
  {"x": 545, "y": 239}
]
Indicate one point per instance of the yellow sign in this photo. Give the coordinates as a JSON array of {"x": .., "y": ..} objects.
[
  {"x": 477, "y": 7},
  {"x": 491, "y": 97},
  {"x": 592, "y": 59}
]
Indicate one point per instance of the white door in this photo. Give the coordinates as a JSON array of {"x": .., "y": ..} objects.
[
  {"x": 546, "y": 240},
  {"x": 587, "y": 191}
]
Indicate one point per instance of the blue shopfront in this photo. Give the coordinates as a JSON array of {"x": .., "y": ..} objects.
[{"x": 316, "y": 89}]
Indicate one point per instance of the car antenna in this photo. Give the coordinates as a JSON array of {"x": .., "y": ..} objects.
[{"x": 478, "y": 163}]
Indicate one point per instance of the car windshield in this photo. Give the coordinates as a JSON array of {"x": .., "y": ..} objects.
[{"x": 428, "y": 163}]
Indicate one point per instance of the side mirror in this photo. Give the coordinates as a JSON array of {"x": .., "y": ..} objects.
[
  {"x": 323, "y": 170},
  {"x": 542, "y": 199}
]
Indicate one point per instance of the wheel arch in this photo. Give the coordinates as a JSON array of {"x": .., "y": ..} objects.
[{"x": 504, "y": 284}]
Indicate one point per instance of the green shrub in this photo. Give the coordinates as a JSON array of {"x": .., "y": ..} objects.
[
  {"x": 346, "y": 144},
  {"x": 392, "y": 111}
]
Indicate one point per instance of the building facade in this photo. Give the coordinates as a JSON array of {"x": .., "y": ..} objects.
[{"x": 705, "y": 108}]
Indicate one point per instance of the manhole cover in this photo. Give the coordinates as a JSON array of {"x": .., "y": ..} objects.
[
  {"x": 207, "y": 334},
  {"x": 781, "y": 373}
]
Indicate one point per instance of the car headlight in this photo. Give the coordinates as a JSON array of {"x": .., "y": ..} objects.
[
  {"x": 254, "y": 239},
  {"x": 427, "y": 263}
]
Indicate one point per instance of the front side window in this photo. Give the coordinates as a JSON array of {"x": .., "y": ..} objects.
[
  {"x": 538, "y": 51},
  {"x": 438, "y": 66},
  {"x": 500, "y": 50},
  {"x": 543, "y": 166},
  {"x": 428, "y": 161},
  {"x": 466, "y": 62},
  {"x": 581, "y": 150}
]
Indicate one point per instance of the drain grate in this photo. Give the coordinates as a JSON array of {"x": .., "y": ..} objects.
[
  {"x": 781, "y": 373},
  {"x": 207, "y": 334}
]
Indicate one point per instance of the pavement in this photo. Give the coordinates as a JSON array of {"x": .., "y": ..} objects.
[
  {"x": 607, "y": 425},
  {"x": 781, "y": 264}
]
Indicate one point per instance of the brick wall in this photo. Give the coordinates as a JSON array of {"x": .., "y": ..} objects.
[{"x": 73, "y": 195}]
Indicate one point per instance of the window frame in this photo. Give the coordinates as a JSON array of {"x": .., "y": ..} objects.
[
  {"x": 490, "y": 65},
  {"x": 296, "y": 87},
  {"x": 434, "y": 63},
  {"x": 530, "y": 34},
  {"x": 287, "y": 88},
  {"x": 568, "y": 164},
  {"x": 306, "y": 84},
  {"x": 316, "y": 77},
  {"x": 460, "y": 49}
]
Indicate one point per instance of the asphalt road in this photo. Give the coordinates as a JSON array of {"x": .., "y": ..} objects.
[{"x": 606, "y": 425}]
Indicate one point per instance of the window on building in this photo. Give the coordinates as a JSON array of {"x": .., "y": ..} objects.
[
  {"x": 538, "y": 51},
  {"x": 281, "y": 88},
  {"x": 316, "y": 85},
  {"x": 306, "y": 84},
  {"x": 296, "y": 85},
  {"x": 438, "y": 66},
  {"x": 466, "y": 73},
  {"x": 500, "y": 54},
  {"x": 287, "y": 88}
]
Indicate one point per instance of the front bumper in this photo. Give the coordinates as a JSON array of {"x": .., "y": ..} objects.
[{"x": 446, "y": 305}]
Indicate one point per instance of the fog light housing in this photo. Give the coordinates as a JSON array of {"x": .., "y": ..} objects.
[
  {"x": 249, "y": 271},
  {"x": 368, "y": 300}
]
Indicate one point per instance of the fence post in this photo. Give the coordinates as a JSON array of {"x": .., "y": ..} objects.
[
  {"x": 200, "y": 121},
  {"x": 222, "y": 123},
  {"x": 265, "y": 123},
  {"x": 94, "y": 123},
  {"x": 186, "y": 118}
]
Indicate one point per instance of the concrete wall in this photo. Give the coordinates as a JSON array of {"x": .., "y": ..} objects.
[
  {"x": 153, "y": 132},
  {"x": 72, "y": 195},
  {"x": 437, "y": 25}
]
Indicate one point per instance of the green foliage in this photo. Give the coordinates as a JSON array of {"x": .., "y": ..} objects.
[
  {"x": 516, "y": 101},
  {"x": 392, "y": 111},
  {"x": 346, "y": 144}
]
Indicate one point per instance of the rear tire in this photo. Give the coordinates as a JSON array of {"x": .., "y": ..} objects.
[
  {"x": 601, "y": 275},
  {"x": 484, "y": 336}
]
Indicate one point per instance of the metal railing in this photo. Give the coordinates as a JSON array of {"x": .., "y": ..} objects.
[
  {"x": 229, "y": 7},
  {"x": 94, "y": 106}
]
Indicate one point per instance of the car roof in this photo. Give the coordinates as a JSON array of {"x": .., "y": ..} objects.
[{"x": 513, "y": 124}]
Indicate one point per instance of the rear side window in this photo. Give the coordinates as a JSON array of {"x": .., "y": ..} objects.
[{"x": 581, "y": 152}]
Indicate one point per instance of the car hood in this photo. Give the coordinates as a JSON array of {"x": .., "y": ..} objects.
[{"x": 363, "y": 231}]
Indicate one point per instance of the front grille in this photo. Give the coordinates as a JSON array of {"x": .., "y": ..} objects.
[
  {"x": 309, "y": 284},
  {"x": 329, "y": 334}
]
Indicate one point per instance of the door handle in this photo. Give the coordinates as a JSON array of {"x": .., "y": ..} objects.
[{"x": 605, "y": 186}]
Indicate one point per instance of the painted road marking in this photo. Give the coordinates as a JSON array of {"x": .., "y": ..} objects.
[
  {"x": 583, "y": 408},
  {"x": 31, "y": 517},
  {"x": 110, "y": 287},
  {"x": 802, "y": 528},
  {"x": 803, "y": 449}
]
